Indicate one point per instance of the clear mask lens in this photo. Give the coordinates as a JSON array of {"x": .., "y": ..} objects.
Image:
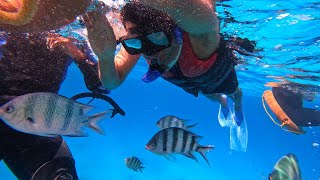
[
  {"x": 133, "y": 43},
  {"x": 158, "y": 38}
]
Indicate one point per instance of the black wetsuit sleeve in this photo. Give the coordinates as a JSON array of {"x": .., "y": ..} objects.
[
  {"x": 3, "y": 39},
  {"x": 89, "y": 69}
]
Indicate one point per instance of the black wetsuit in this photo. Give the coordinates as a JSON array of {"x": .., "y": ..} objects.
[
  {"x": 292, "y": 104},
  {"x": 220, "y": 78},
  {"x": 27, "y": 66}
]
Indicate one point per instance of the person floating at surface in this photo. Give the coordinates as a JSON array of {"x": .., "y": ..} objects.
[
  {"x": 39, "y": 15},
  {"x": 287, "y": 104},
  {"x": 38, "y": 62},
  {"x": 181, "y": 42}
]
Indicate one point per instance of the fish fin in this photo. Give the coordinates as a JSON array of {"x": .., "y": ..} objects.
[
  {"x": 75, "y": 135},
  {"x": 78, "y": 133},
  {"x": 48, "y": 135},
  {"x": 44, "y": 134},
  {"x": 86, "y": 108},
  {"x": 197, "y": 137},
  {"x": 203, "y": 149},
  {"x": 140, "y": 169},
  {"x": 191, "y": 156},
  {"x": 191, "y": 126},
  {"x": 92, "y": 121},
  {"x": 185, "y": 120},
  {"x": 170, "y": 157}
]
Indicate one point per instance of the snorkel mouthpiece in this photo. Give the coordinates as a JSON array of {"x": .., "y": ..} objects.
[
  {"x": 153, "y": 72},
  {"x": 151, "y": 75},
  {"x": 178, "y": 35}
]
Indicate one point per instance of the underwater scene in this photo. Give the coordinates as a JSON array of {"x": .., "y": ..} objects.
[{"x": 263, "y": 124}]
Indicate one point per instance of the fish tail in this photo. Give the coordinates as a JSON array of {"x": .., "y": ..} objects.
[
  {"x": 203, "y": 149},
  {"x": 191, "y": 126},
  {"x": 92, "y": 121}
]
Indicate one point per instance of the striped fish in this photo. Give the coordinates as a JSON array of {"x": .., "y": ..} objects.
[
  {"x": 134, "y": 163},
  {"x": 172, "y": 121},
  {"x": 177, "y": 140},
  {"x": 287, "y": 168},
  {"x": 49, "y": 114}
]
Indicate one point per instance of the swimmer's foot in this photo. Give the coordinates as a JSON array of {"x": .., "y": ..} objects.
[
  {"x": 225, "y": 111},
  {"x": 225, "y": 107}
]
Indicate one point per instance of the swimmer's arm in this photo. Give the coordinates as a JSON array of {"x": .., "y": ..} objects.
[
  {"x": 112, "y": 69},
  {"x": 194, "y": 16}
]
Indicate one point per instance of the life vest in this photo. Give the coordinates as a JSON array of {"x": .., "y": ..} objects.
[{"x": 208, "y": 74}]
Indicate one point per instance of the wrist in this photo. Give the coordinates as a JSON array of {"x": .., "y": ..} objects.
[{"x": 108, "y": 53}]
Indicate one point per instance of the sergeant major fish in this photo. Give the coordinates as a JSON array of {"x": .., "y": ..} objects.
[
  {"x": 134, "y": 163},
  {"x": 177, "y": 140},
  {"x": 172, "y": 121},
  {"x": 49, "y": 114}
]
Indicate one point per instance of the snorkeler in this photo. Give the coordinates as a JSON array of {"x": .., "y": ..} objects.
[
  {"x": 38, "y": 62},
  {"x": 39, "y": 15},
  {"x": 286, "y": 103},
  {"x": 183, "y": 48}
]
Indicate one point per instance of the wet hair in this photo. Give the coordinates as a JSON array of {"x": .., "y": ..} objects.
[{"x": 146, "y": 17}]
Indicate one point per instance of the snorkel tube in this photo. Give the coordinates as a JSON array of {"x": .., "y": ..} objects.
[
  {"x": 155, "y": 69},
  {"x": 117, "y": 109}
]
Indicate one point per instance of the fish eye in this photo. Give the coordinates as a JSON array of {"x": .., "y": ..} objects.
[{"x": 9, "y": 109}]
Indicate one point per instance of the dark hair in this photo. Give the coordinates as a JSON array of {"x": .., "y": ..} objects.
[{"x": 147, "y": 17}]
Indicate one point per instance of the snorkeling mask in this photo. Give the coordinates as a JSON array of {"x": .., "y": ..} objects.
[
  {"x": 148, "y": 42},
  {"x": 155, "y": 69},
  {"x": 144, "y": 41}
]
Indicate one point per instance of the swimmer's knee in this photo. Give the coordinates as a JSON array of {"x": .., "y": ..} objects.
[
  {"x": 235, "y": 93},
  {"x": 59, "y": 168}
]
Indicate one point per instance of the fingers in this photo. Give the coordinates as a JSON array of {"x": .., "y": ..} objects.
[
  {"x": 91, "y": 18},
  {"x": 95, "y": 20},
  {"x": 87, "y": 20},
  {"x": 54, "y": 42}
]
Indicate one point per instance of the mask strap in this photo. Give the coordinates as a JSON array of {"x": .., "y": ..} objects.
[{"x": 178, "y": 35}]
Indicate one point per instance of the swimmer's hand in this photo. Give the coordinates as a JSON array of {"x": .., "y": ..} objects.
[
  {"x": 100, "y": 34},
  {"x": 66, "y": 44},
  {"x": 11, "y": 6}
]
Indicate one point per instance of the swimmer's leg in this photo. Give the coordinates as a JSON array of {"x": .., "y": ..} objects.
[
  {"x": 36, "y": 157},
  {"x": 237, "y": 99}
]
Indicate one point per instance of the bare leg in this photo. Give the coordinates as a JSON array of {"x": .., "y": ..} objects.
[
  {"x": 217, "y": 97},
  {"x": 237, "y": 99}
]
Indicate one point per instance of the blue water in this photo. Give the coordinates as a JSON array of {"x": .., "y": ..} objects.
[{"x": 287, "y": 34}]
